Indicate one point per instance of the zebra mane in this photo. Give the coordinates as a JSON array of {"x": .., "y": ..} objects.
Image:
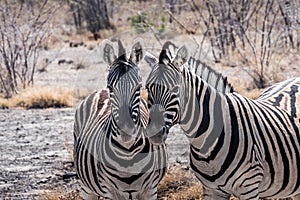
[
  {"x": 209, "y": 75},
  {"x": 104, "y": 100},
  {"x": 200, "y": 69}
]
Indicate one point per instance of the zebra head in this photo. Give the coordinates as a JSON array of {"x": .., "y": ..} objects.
[
  {"x": 124, "y": 85},
  {"x": 164, "y": 86}
]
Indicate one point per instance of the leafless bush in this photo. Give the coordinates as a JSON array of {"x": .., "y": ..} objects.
[
  {"x": 256, "y": 30},
  {"x": 23, "y": 28}
]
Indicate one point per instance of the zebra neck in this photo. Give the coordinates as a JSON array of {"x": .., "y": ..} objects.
[{"x": 202, "y": 114}]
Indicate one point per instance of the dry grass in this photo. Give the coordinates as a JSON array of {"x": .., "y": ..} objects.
[
  {"x": 4, "y": 103},
  {"x": 44, "y": 98},
  {"x": 72, "y": 195},
  {"x": 179, "y": 184},
  {"x": 40, "y": 98}
]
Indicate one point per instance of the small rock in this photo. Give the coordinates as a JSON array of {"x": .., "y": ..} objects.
[
  {"x": 76, "y": 44},
  {"x": 68, "y": 175},
  {"x": 43, "y": 181},
  {"x": 181, "y": 160},
  {"x": 185, "y": 167}
]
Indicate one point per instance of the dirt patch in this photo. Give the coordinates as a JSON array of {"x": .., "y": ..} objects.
[{"x": 36, "y": 153}]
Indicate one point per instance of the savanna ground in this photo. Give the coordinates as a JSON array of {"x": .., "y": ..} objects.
[{"x": 36, "y": 144}]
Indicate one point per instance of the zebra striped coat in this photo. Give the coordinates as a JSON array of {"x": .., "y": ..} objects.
[
  {"x": 113, "y": 158},
  {"x": 238, "y": 146}
]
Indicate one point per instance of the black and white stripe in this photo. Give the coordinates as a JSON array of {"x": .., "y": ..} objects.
[
  {"x": 238, "y": 146},
  {"x": 113, "y": 158}
]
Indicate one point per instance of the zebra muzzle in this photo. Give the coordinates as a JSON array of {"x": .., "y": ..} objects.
[{"x": 157, "y": 130}]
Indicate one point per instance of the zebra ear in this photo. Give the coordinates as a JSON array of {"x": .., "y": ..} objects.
[
  {"x": 167, "y": 53},
  {"x": 150, "y": 59},
  {"x": 108, "y": 52},
  {"x": 181, "y": 56},
  {"x": 137, "y": 52},
  {"x": 170, "y": 49}
]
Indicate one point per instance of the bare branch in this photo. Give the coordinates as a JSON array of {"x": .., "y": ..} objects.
[
  {"x": 22, "y": 34},
  {"x": 181, "y": 25}
]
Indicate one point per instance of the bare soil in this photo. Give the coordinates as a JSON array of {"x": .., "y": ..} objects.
[{"x": 35, "y": 152}]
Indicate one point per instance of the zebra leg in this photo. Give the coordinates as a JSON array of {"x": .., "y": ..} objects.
[
  {"x": 110, "y": 193},
  {"x": 150, "y": 194},
  {"x": 209, "y": 194},
  {"x": 87, "y": 194}
]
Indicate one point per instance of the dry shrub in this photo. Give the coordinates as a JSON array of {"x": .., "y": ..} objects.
[
  {"x": 107, "y": 33},
  {"x": 52, "y": 42},
  {"x": 73, "y": 195},
  {"x": 43, "y": 98},
  {"x": 178, "y": 184},
  {"x": 51, "y": 196},
  {"x": 250, "y": 72},
  {"x": 4, "y": 103}
]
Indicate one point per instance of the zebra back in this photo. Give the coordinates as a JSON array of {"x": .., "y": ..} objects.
[{"x": 285, "y": 95}]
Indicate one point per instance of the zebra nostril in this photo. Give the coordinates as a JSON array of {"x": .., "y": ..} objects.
[{"x": 165, "y": 133}]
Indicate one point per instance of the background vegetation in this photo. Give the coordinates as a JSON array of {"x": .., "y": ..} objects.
[
  {"x": 258, "y": 36},
  {"x": 24, "y": 26}
]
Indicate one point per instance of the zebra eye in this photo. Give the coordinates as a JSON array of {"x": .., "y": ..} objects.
[{"x": 134, "y": 114}]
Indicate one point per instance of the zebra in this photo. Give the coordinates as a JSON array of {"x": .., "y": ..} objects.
[
  {"x": 112, "y": 157},
  {"x": 241, "y": 147}
]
